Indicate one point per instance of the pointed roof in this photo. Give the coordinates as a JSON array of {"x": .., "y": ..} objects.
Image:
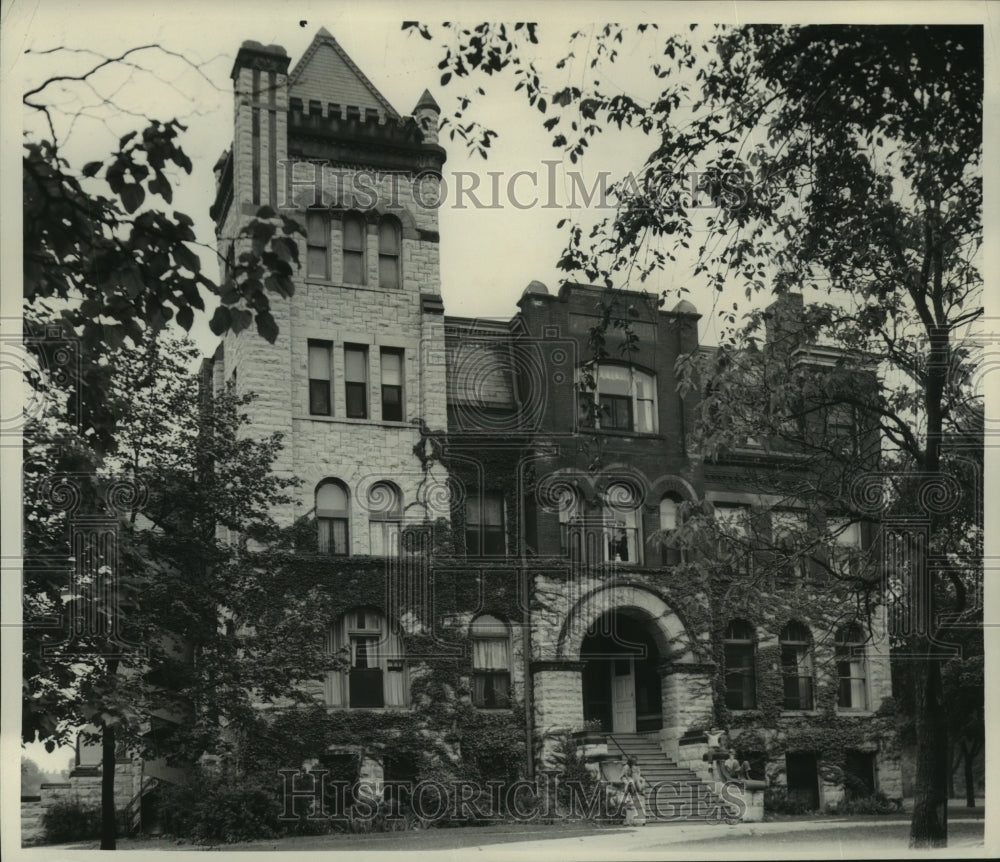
[
  {"x": 427, "y": 101},
  {"x": 324, "y": 38}
]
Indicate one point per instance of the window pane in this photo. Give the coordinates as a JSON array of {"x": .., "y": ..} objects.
[
  {"x": 357, "y": 403},
  {"x": 392, "y": 403},
  {"x": 472, "y": 541},
  {"x": 668, "y": 514},
  {"x": 494, "y": 544},
  {"x": 354, "y": 267},
  {"x": 614, "y": 380},
  {"x": 493, "y": 505},
  {"x": 388, "y": 271},
  {"x": 317, "y": 229},
  {"x": 644, "y": 416},
  {"x": 489, "y": 653},
  {"x": 332, "y": 537},
  {"x": 354, "y": 234},
  {"x": 318, "y": 261},
  {"x": 319, "y": 361},
  {"x": 392, "y": 368},
  {"x": 331, "y": 499},
  {"x": 472, "y": 510},
  {"x": 388, "y": 237},
  {"x": 319, "y": 397},
  {"x": 355, "y": 365}
]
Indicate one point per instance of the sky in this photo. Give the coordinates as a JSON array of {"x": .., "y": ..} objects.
[{"x": 488, "y": 256}]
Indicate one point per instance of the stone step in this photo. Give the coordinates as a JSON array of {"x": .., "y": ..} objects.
[{"x": 676, "y": 789}]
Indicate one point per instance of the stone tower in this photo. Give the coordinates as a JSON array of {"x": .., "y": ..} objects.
[{"x": 359, "y": 358}]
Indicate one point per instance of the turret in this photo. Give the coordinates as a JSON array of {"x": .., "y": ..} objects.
[{"x": 427, "y": 114}]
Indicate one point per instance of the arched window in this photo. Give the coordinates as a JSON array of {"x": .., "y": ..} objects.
[
  {"x": 570, "y": 510},
  {"x": 624, "y": 399},
  {"x": 849, "y": 651},
  {"x": 796, "y": 666},
  {"x": 490, "y": 662},
  {"x": 333, "y": 517},
  {"x": 354, "y": 242},
  {"x": 738, "y": 658},
  {"x": 672, "y": 553},
  {"x": 389, "y": 248},
  {"x": 621, "y": 504},
  {"x": 385, "y": 507},
  {"x": 376, "y": 668}
]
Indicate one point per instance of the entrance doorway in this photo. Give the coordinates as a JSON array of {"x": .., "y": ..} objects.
[{"x": 621, "y": 678}]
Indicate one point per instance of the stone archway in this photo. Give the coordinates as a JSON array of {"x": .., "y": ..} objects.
[
  {"x": 685, "y": 684},
  {"x": 671, "y": 638}
]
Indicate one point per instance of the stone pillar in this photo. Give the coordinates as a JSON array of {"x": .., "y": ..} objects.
[
  {"x": 557, "y": 703},
  {"x": 687, "y": 702}
]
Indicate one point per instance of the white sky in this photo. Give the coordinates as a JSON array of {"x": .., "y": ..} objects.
[{"x": 488, "y": 256}]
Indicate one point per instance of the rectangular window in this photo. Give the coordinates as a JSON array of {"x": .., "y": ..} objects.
[
  {"x": 388, "y": 254},
  {"x": 317, "y": 244},
  {"x": 484, "y": 526},
  {"x": 733, "y": 521},
  {"x": 320, "y": 353},
  {"x": 356, "y": 381},
  {"x": 789, "y": 531},
  {"x": 392, "y": 385},
  {"x": 355, "y": 236}
]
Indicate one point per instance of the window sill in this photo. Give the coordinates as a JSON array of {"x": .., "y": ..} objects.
[
  {"x": 312, "y": 281},
  {"x": 387, "y": 423},
  {"x": 367, "y": 708},
  {"x": 854, "y": 713},
  {"x": 792, "y": 713},
  {"x": 642, "y": 435}
]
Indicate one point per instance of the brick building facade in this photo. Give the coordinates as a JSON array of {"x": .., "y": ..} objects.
[{"x": 537, "y": 489}]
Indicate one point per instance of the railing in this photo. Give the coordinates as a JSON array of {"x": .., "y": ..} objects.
[{"x": 132, "y": 812}]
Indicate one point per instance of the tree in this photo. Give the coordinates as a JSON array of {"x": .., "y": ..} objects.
[
  {"x": 103, "y": 264},
  {"x": 155, "y": 643},
  {"x": 839, "y": 159},
  {"x": 106, "y": 271}
]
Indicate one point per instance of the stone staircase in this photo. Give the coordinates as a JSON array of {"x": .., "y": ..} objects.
[{"x": 672, "y": 792}]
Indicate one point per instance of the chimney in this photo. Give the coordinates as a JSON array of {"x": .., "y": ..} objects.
[{"x": 783, "y": 321}]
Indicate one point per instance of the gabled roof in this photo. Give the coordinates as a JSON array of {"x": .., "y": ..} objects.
[{"x": 308, "y": 67}]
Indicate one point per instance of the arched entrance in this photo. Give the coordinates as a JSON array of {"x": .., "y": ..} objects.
[{"x": 622, "y": 685}]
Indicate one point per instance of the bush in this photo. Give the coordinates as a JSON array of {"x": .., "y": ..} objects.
[
  {"x": 71, "y": 821},
  {"x": 777, "y": 801},
  {"x": 875, "y": 803},
  {"x": 220, "y": 809}
]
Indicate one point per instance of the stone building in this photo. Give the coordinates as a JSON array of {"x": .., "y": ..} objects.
[{"x": 536, "y": 489}]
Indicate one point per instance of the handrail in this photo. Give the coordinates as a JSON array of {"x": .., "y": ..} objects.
[{"x": 611, "y": 735}]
